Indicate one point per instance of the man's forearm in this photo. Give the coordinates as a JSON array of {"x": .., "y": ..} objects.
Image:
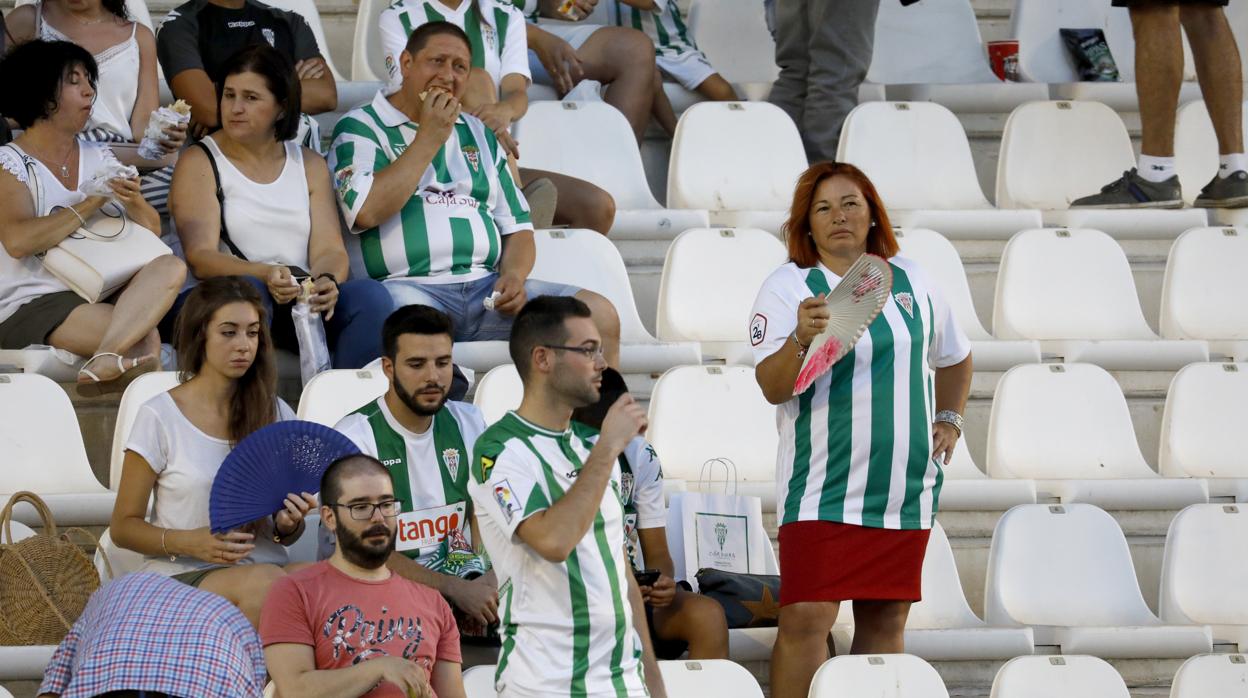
[
  {"x": 319, "y": 94},
  {"x": 333, "y": 683},
  {"x": 394, "y": 185},
  {"x": 408, "y": 568},
  {"x": 555, "y": 532},
  {"x": 519, "y": 254}
]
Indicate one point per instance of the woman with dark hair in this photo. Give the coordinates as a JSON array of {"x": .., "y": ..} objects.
[
  {"x": 127, "y": 88},
  {"x": 49, "y": 88},
  {"x": 859, "y": 465},
  {"x": 180, "y": 438},
  {"x": 276, "y": 212}
]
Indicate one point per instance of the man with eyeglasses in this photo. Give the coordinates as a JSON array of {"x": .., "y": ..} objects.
[
  {"x": 349, "y": 626},
  {"x": 425, "y": 441},
  {"x": 551, "y": 518}
]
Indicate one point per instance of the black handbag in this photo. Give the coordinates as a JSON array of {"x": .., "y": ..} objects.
[{"x": 749, "y": 600}]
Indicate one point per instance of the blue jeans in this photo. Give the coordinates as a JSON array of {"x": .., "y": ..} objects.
[
  {"x": 353, "y": 333},
  {"x": 464, "y": 302}
]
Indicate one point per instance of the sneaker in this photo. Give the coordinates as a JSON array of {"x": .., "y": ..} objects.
[
  {"x": 1225, "y": 192},
  {"x": 1133, "y": 191}
]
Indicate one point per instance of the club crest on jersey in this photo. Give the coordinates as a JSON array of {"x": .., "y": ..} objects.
[
  {"x": 473, "y": 156},
  {"x": 627, "y": 482},
  {"x": 487, "y": 33},
  {"x": 450, "y": 456},
  {"x": 269, "y": 37},
  {"x": 906, "y": 301},
  {"x": 758, "y": 329},
  {"x": 506, "y": 500}
]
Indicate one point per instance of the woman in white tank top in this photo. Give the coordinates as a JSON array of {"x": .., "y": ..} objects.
[{"x": 277, "y": 220}]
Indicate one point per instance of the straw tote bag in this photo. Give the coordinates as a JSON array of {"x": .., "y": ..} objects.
[
  {"x": 45, "y": 580},
  {"x": 101, "y": 256}
]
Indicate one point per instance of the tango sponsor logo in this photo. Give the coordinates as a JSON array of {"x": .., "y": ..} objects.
[{"x": 427, "y": 527}]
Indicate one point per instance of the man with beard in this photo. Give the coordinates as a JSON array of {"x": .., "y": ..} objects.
[
  {"x": 573, "y": 623},
  {"x": 424, "y": 440},
  {"x": 349, "y": 626}
]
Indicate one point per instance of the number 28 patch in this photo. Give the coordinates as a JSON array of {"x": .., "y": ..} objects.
[{"x": 758, "y": 329}]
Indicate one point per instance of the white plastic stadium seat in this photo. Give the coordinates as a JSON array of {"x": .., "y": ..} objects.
[
  {"x": 140, "y": 390},
  {"x": 479, "y": 681},
  {"x": 593, "y": 141},
  {"x": 1066, "y": 571},
  {"x": 1066, "y": 676},
  {"x": 4, "y": 693},
  {"x": 1204, "y": 571},
  {"x": 932, "y": 51},
  {"x": 967, "y": 488},
  {"x": 718, "y": 677},
  {"x": 307, "y": 10},
  {"x": 938, "y": 258},
  {"x": 1203, "y": 288},
  {"x": 44, "y": 454},
  {"x": 24, "y": 663},
  {"x": 711, "y": 277},
  {"x": 1196, "y": 154},
  {"x": 877, "y": 676},
  {"x": 334, "y": 394},
  {"x": 1202, "y": 432},
  {"x": 498, "y": 391},
  {"x": 738, "y": 160},
  {"x": 120, "y": 561},
  {"x": 368, "y": 61},
  {"x": 1210, "y": 675},
  {"x": 586, "y": 259},
  {"x": 1055, "y": 152},
  {"x": 1042, "y": 54},
  {"x": 1068, "y": 428},
  {"x": 919, "y": 160},
  {"x": 698, "y": 413},
  {"x": 733, "y": 35},
  {"x": 1074, "y": 292},
  {"x": 57, "y": 364}
]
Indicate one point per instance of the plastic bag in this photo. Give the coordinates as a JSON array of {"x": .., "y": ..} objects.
[
  {"x": 162, "y": 119},
  {"x": 310, "y": 332},
  {"x": 97, "y": 184},
  {"x": 1091, "y": 55}
]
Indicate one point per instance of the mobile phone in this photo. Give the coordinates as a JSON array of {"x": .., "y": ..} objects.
[{"x": 647, "y": 578}]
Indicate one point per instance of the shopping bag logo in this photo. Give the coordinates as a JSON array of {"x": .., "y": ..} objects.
[
  {"x": 721, "y": 535},
  {"x": 723, "y": 541}
]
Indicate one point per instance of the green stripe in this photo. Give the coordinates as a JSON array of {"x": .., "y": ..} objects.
[
  {"x": 415, "y": 236},
  {"x": 432, "y": 15},
  {"x": 441, "y": 172},
  {"x": 664, "y": 40},
  {"x": 840, "y": 439},
  {"x": 500, "y": 28},
  {"x": 920, "y": 453},
  {"x": 637, "y": 20},
  {"x": 406, "y": 20},
  {"x": 480, "y": 181},
  {"x": 880, "y": 463},
  {"x": 447, "y": 436},
  {"x": 508, "y": 627},
  {"x": 461, "y": 245},
  {"x": 370, "y": 240},
  {"x": 393, "y": 135},
  {"x": 391, "y": 451},
  {"x": 931, "y": 401},
  {"x": 491, "y": 232},
  {"x": 816, "y": 283},
  {"x": 472, "y": 27},
  {"x": 674, "y": 12},
  {"x": 509, "y": 192},
  {"x": 353, "y": 126}
]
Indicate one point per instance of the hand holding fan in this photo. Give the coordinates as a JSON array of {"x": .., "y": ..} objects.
[
  {"x": 853, "y": 304},
  {"x": 263, "y": 468}
]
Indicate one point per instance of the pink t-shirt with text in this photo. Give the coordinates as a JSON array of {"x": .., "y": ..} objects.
[{"x": 347, "y": 621}]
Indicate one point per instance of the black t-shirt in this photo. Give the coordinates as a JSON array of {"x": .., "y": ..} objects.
[{"x": 202, "y": 35}]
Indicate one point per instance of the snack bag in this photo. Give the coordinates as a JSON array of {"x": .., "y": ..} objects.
[
  {"x": 97, "y": 184},
  {"x": 163, "y": 118},
  {"x": 1091, "y": 55}
]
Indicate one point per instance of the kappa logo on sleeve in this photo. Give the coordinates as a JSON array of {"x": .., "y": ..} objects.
[
  {"x": 506, "y": 500},
  {"x": 758, "y": 329}
]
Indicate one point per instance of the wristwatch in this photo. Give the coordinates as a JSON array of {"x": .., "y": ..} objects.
[
  {"x": 950, "y": 417},
  {"x": 801, "y": 348}
]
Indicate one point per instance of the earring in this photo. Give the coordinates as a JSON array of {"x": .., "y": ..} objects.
[{"x": 872, "y": 224}]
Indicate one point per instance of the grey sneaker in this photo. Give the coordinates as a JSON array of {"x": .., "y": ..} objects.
[
  {"x": 1133, "y": 191},
  {"x": 1225, "y": 192}
]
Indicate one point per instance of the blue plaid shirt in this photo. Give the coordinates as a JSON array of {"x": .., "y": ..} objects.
[{"x": 147, "y": 632}]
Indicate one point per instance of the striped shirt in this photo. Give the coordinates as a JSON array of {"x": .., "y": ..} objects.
[
  {"x": 641, "y": 489},
  {"x": 147, "y": 632},
  {"x": 495, "y": 31},
  {"x": 430, "y": 476},
  {"x": 856, "y": 447},
  {"x": 664, "y": 25},
  {"x": 451, "y": 228},
  {"x": 567, "y": 627}
]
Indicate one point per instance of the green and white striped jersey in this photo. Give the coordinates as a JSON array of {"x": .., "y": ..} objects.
[
  {"x": 567, "y": 627},
  {"x": 429, "y": 472},
  {"x": 641, "y": 489},
  {"x": 495, "y": 30},
  {"x": 664, "y": 25},
  {"x": 856, "y": 447},
  {"x": 451, "y": 228}
]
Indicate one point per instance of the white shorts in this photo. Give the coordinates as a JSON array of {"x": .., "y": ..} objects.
[
  {"x": 689, "y": 68},
  {"x": 575, "y": 33}
]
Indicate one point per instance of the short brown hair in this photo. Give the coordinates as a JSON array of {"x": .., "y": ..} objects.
[{"x": 802, "y": 251}]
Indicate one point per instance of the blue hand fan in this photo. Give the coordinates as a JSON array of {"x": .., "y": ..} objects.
[{"x": 272, "y": 462}]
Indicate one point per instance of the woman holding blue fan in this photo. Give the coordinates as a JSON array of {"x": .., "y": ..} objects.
[{"x": 180, "y": 438}]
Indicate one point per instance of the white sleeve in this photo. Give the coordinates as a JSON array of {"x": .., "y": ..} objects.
[
  {"x": 505, "y": 487},
  {"x": 515, "y": 58},
  {"x": 355, "y": 427},
  {"x": 393, "y": 42},
  {"x": 148, "y": 438},
  {"x": 647, "y": 485},
  {"x": 950, "y": 344},
  {"x": 774, "y": 316}
]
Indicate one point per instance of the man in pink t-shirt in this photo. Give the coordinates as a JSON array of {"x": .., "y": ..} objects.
[{"x": 348, "y": 626}]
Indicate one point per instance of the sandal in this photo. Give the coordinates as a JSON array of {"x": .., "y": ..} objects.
[{"x": 95, "y": 387}]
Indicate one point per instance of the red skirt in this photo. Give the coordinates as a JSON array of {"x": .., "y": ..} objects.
[{"x": 830, "y": 561}]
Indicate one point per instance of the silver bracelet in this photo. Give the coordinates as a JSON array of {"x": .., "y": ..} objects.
[
  {"x": 950, "y": 417},
  {"x": 79, "y": 215},
  {"x": 164, "y": 532}
]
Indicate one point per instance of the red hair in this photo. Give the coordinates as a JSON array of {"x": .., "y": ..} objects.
[{"x": 802, "y": 250}]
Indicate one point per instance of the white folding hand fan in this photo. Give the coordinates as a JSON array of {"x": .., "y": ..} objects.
[{"x": 853, "y": 304}]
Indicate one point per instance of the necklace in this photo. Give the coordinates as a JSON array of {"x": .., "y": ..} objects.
[
  {"x": 91, "y": 22},
  {"x": 64, "y": 166}
]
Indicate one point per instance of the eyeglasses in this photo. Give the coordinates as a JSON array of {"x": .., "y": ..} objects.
[
  {"x": 591, "y": 353},
  {"x": 363, "y": 511}
]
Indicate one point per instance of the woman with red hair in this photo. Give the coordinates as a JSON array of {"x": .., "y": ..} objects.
[{"x": 861, "y": 450}]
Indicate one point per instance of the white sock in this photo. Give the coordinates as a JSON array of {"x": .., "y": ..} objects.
[
  {"x": 1155, "y": 169},
  {"x": 1231, "y": 163}
]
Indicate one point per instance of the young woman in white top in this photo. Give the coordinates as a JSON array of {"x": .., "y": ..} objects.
[
  {"x": 180, "y": 438},
  {"x": 49, "y": 88},
  {"x": 277, "y": 208}
]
